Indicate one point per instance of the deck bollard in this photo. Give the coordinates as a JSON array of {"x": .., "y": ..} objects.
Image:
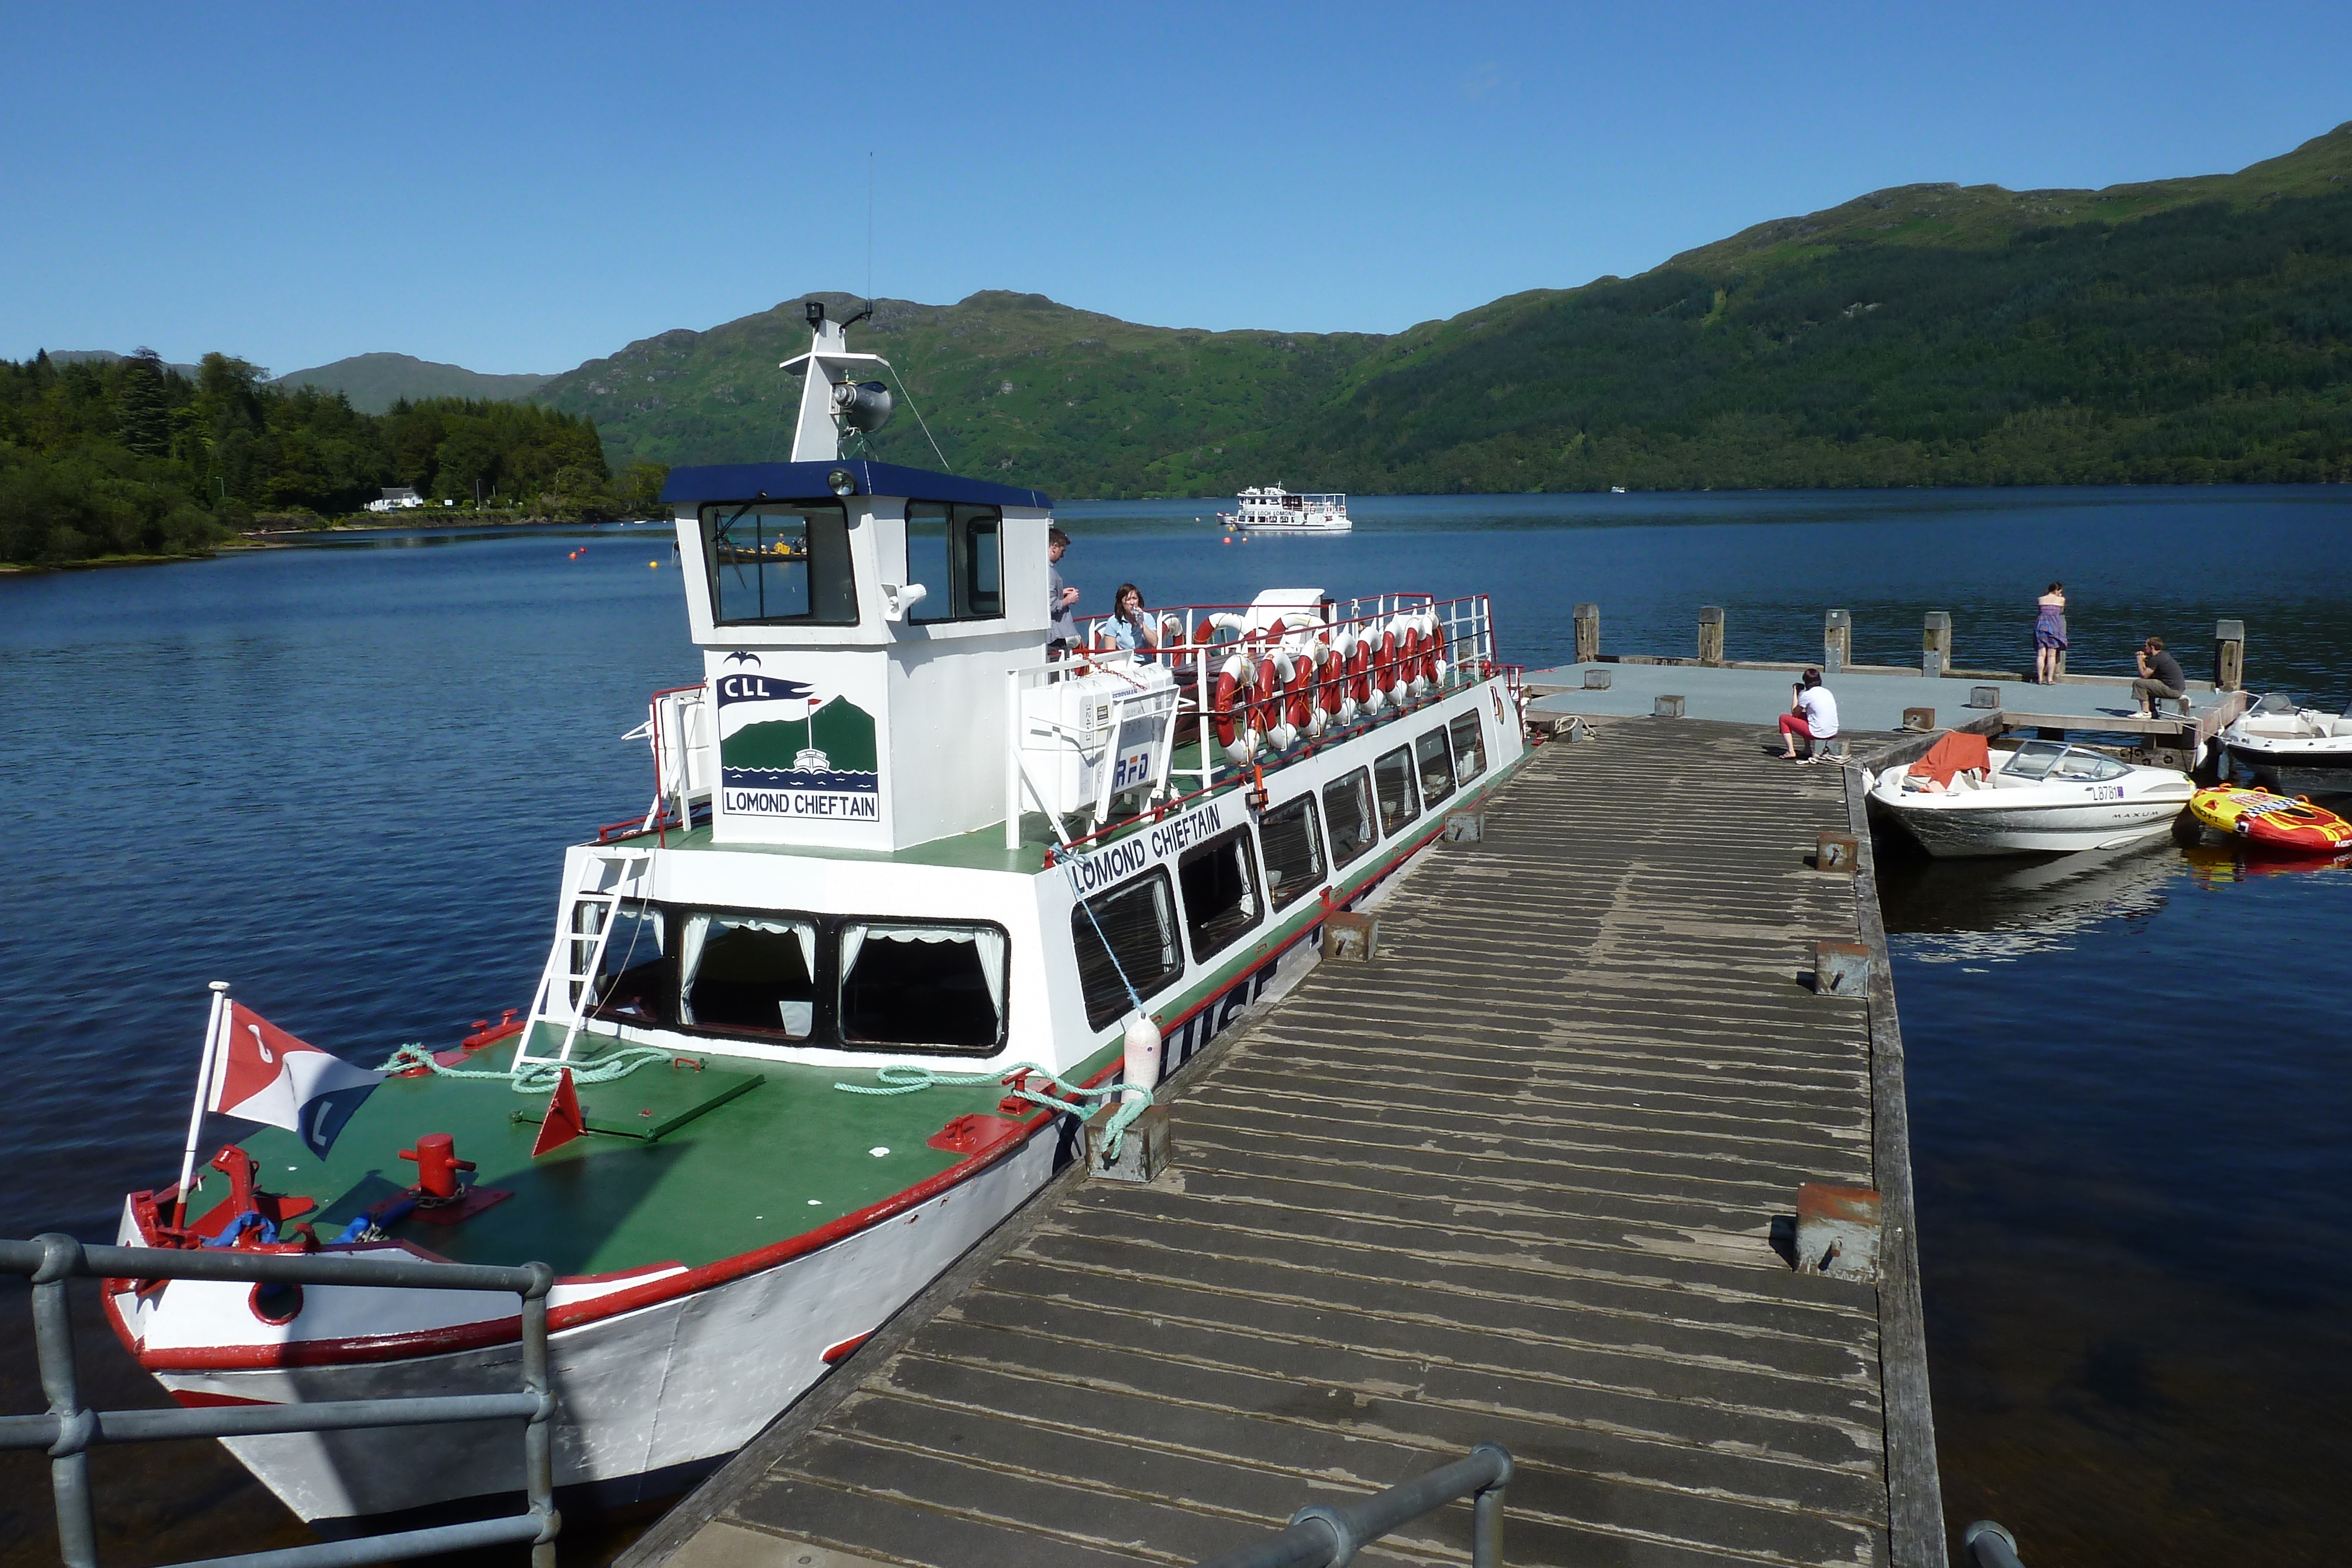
[
  {"x": 1838, "y": 1232},
  {"x": 1710, "y": 634},
  {"x": 1588, "y": 633},
  {"x": 1464, "y": 827},
  {"x": 1666, "y": 708},
  {"x": 1144, "y": 1148},
  {"x": 1841, "y": 968},
  {"x": 1837, "y": 642},
  {"x": 1596, "y": 680},
  {"x": 2229, "y": 654},
  {"x": 1984, "y": 696},
  {"x": 1349, "y": 935},
  {"x": 1936, "y": 644},
  {"x": 1918, "y": 718},
  {"x": 1837, "y": 854}
]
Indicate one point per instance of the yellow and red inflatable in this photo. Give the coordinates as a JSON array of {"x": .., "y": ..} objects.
[{"x": 2288, "y": 825}]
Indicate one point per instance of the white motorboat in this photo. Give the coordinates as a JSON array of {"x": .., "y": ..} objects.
[
  {"x": 2299, "y": 750},
  {"x": 2043, "y": 797},
  {"x": 1274, "y": 510}
]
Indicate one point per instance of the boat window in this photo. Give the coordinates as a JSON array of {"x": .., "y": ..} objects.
[
  {"x": 775, "y": 564},
  {"x": 1469, "y": 746},
  {"x": 1136, "y": 924},
  {"x": 1221, "y": 897},
  {"x": 639, "y": 980},
  {"x": 2086, "y": 765},
  {"x": 1392, "y": 784},
  {"x": 955, "y": 553},
  {"x": 1347, "y": 802},
  {"x": 756, "y": 973},
  {"x": 2031, "y": 759},
  {"x": 1293, "y": 851},
  {"x": 1435, "y": 764},
  {"x": 932, "y": 986}
]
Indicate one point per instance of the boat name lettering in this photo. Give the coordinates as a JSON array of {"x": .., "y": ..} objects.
[
  {"x": 805, "y": 803},
  {"x": 760, "y": 689},
  {"x": 1104, "y": 867}
]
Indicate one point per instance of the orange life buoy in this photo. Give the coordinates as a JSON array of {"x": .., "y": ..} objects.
[
  {"x": 1300, "y": 707},
  {"x": 1384, "y": 663},
  {"x": 1266, "y": 711},
  {"x": 1229, "y": 683}
]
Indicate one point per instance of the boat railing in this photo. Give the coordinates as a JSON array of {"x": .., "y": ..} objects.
[
  {"x": 1328, "y": 1535},
  {"x": 69, "y": 1429},
  {"x": 1198, "y": 639}
]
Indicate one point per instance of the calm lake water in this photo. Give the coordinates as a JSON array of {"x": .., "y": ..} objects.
[{"x": 340, "y": 777}]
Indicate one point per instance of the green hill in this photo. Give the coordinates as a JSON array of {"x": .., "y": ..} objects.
[
  {"x": 2176, "y": 330},
  {"x": 374, "y": 383}
]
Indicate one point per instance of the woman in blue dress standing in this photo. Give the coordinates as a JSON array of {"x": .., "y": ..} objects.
[{"x": 2049, "y": 633}]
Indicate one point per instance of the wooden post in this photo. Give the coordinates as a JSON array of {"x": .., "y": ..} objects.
[
  {"x": 1837, "y": 642},
  {"x": 1710, "y": 635},
  {"x": 2229, "y": 654},
  {"x": 1588, "y": 633},
  {"x": 1935, "y": 645}
]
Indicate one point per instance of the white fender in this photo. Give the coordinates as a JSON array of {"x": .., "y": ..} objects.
[{"x": 1141, "y": 1042}]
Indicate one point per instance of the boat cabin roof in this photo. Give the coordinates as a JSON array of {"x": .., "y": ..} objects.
[{"x": 794, "y": 481}]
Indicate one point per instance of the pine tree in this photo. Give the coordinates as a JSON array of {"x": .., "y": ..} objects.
[{"x": 146, "y": 420}]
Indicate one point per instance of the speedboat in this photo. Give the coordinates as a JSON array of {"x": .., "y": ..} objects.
[
  {"x": 2042, "y": 797},
  {"x": 2301, "y": 750}
]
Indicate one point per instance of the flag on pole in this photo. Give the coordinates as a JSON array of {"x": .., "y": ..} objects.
[{"x": 261, "y": 1073}]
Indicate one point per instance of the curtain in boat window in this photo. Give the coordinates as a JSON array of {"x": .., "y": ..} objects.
[
  {"x": 754, "y": 972},
  {"x": 932, "y": 986}
]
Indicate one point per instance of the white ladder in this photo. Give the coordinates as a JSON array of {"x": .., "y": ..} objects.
[{"x": 578, "y": 956}]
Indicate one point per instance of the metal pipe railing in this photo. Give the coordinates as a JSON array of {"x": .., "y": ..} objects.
[
  {"x": 69, "y": 1429},
  {"x": 1328, "y": 1535},
  {"x": 1990, "y": 1546}
]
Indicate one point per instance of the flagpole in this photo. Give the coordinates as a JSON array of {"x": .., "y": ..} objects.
[{"x": 212, "y": 1027}]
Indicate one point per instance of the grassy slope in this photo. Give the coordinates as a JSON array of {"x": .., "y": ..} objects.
[
  {"x": 2182, "y": 329},
  {"x": 374, "y": 383}
]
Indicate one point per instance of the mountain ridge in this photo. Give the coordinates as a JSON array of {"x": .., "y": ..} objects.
[{"x": 375, "y": 382}]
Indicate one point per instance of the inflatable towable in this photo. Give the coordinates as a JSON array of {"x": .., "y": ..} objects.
[{"x": 2288, "y": 825}]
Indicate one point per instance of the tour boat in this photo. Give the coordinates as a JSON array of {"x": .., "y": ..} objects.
[
  {"x": 1274, "y": 510},
  {"x": 910, "y": 901},
  {"x": 2042, "y": 797},
  {"x": 2298, "y": 749}
]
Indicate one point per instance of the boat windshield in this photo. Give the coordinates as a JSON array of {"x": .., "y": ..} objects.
[
  {"x": 2051, "y": 759},
  {"x": 775, "y": 564}
]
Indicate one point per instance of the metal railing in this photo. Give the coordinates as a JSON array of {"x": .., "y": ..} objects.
[
  {"x": 1990, "y": 1546},
  {"x": 69, "y": 1429},
  {"x": 1328, "y": 1535}
]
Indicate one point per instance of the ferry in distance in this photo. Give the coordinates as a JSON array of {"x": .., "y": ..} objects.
[{"x": 1274, "y": 510}]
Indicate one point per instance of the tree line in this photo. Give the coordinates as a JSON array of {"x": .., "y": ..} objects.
[{"x": 130, "y": 457}]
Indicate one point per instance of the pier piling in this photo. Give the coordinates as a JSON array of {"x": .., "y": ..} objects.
[
  {"x": 1588, "y": 633},
  {"x": 1710, "y": 634},
  {"x": 2229, "y": 654},
  {"x": 1936, "y": 644},
  {"x": 1837, "y": 642}
]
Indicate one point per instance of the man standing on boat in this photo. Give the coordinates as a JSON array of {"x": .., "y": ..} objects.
[
  {"x": 1061, "y": 630},
  {"x": 1812, "y": 714}
]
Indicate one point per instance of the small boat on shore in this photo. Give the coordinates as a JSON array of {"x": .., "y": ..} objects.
[
  {"x": 2301, "y": 750},
  {"x": 2279, "y": 824},
  {"x": 1274, "y": 510},
  {"x": 2042, "y": 797}
]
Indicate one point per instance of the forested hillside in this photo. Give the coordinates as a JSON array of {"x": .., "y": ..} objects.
[
  {"x": 128, "y": 458},
  {"x": 2180, "y": 330}
]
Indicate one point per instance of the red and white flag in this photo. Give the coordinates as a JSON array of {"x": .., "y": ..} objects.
[{"x": 261, "y": 1073}]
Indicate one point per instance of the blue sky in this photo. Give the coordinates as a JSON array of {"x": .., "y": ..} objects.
[{"x": 519, "y": 188}]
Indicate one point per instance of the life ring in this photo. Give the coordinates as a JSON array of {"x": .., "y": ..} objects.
[
  {"x": 1266, "y": 710},
  {"x": 1233, "y": 677},
  {"x": 1359, "y": 666},
  {"x": 1332, "y": 689},
  {"x": 1409, "y": 659},
  {"x": 1384, "y": 676},
  {"x": 1299, "y": 691}
]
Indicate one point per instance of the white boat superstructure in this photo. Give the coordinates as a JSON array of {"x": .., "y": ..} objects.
[
  {"x": 2301, "y": 750},
  {"x": 1274, "y": 510},
  {"x": 2043, "y": 797}
]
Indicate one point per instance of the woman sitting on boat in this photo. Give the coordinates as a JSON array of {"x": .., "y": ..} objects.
[
  {"x": 1131, "y": 627},
  {"x": 2048, "y": 634}
]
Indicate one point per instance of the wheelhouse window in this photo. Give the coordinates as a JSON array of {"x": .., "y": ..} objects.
[
  {"x": 1392, "y": 785},
  {"x": 1293, "y": 851},
  {"x": 1434, "y": 763},
  {"x": 1347, "y": 802},
  {"x": 1135, "y": 924},
  {"x": 753, "y": 973},
  {"x": 931, "y": 986},
  {"x": 957, "y": 554},
  {"x": 774, "y": 563},
  {"x": 1219, "y": 880},
  {"x": 1469, "y": 746}
]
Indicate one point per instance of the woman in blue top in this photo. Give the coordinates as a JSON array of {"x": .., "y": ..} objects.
[
  {"x": 1130, "y": 626},
  {"x": 2049, "y": 633}
]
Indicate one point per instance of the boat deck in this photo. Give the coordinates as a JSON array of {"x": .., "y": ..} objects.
[{"x": 1516, "y": 1180}]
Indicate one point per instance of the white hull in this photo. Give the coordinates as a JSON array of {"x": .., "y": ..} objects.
[
  {"x": 1341, "y": 526},
  {"x": 2036, "y": 830},
  {"x": 2059, "y": 814}
]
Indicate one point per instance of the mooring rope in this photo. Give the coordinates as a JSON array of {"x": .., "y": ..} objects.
[
  {"x": 533, "y": 1077},
  {"x": 904, "y": 1077}
]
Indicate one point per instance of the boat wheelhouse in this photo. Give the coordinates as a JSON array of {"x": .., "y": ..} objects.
[
  {"x": 1274, "y": 510},
  {"x": 908, "y": 901}
]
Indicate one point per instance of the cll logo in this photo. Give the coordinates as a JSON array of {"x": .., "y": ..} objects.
[{"x": 762, "y": 689}]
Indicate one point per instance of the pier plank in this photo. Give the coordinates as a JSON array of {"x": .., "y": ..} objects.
[{"x": 1514, "y": 1180}]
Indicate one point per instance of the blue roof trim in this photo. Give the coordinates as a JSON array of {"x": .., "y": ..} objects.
[{"x": 806, "y": 481}]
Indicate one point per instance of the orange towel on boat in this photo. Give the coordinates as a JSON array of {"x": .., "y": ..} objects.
[{"x": 1953, "y": 755}]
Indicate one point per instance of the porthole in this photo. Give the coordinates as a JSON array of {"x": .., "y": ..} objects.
[{"x": 275, "y": 1304}]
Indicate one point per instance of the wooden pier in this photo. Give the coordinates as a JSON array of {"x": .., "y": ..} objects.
[{"x": 1523, "y": 1177}]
